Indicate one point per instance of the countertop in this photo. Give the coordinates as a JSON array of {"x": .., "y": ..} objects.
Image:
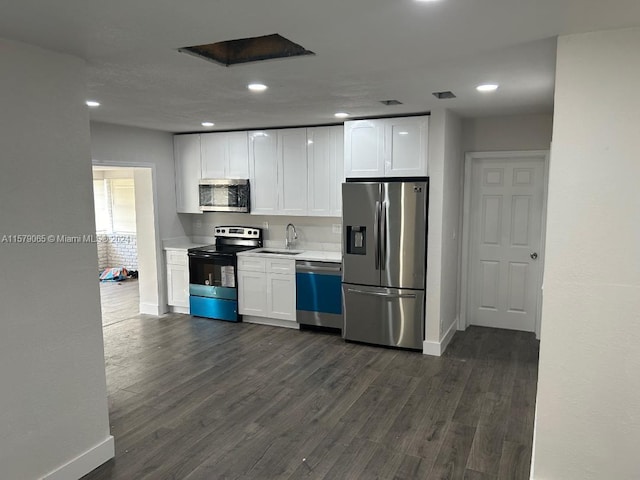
[
  {"x": 181, "y": 244},
  {"x": 311, "y": 255}
]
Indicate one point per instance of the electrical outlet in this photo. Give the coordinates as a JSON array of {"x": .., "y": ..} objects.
[
  {"x": 198, "y": 223},
  {"x": 265, "y": 225},
  {"x": 337, "y": 228}
]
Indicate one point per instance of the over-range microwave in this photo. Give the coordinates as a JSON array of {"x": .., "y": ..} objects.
[{"x": 224, "y": 195}]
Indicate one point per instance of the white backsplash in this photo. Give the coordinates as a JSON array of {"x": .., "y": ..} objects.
[{"x": 314, "y": 233}]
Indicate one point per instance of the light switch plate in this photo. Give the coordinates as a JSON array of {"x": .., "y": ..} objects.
[{"x": 337, "y": 228}]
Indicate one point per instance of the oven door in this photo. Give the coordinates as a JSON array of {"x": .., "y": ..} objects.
[
  {"x": 224, "y": 195},
  {"x": 212, "y": 286}
]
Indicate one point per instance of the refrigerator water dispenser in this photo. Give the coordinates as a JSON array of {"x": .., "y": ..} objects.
[{"x": 356, "y": 240}]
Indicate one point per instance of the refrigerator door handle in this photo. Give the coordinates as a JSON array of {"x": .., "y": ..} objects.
[
  {"x": 384, "y": 210},
  {"x": 382, "y": 294},
  {"x": 376, "y": 234}
]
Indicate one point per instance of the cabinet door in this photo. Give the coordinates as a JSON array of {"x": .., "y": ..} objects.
[
  {"x": 214, "y": 155},
  {"x": 178, "y": 285},
  {"x": 263, "y": 175},
  {"x": 252, "y": 293},
  {"x": 364, "y": 148},
  {"x": 186, "y": 151},
  {"x": 238, "y": 155},
  {"x": 318, "y": 156},
  {"x": 281, "y": 296},
  {"x": 325, "y": 155},
  {"x": 292, "y": 171},
  {"x": 406, "y": 143},
  {"x": 337, "y": 170}
]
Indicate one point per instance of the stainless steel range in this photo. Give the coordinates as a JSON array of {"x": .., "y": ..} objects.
[{"x": 213, "y": 285}]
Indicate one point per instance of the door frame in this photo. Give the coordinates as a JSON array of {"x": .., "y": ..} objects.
[{"x": 470, "y": 158}]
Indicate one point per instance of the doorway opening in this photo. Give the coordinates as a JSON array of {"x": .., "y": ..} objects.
[{"x": 126, "y": 237}]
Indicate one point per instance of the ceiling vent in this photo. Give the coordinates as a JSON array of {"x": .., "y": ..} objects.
[
  {"x": 444, "y": 95},
  {"x": 246, "y": 50},
  {"x": 390, "y": 102}
]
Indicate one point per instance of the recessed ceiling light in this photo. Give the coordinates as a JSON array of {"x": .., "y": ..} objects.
[
  {"x": 208, "y": 124},
  {"x": 257, "y": 87},
  {"x": 427, "y": 1},
  {"x": 309, "y": 142},
  {"x": 341, "y": 115},
  {"x": 403, "y": 133},
  {"x": 92, "y": 103},
  {"x": 489, "y": 87}
]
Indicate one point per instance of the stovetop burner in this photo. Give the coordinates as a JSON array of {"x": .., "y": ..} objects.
[{"x": 231, "y": 240}]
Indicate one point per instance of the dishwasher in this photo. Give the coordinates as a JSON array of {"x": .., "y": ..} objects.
[{"x": 319, "y": 294}]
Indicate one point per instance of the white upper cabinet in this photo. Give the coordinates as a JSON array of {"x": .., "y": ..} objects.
[
  {"x": 406, "y": 143},
  {"x": 364, "y": 148},
  {"x": 387, "y": 147},
  {"x": 325, "y": 155},
  {"x": 263, "y": 172},
  {"x": 188, "y": 172},
  {"x": 292, "y": 171},
  {"x": 225, "y": 155},
  {"x": 278, "y": 171}
]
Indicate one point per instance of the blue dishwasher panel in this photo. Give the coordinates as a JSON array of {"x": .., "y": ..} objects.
[
  {"x": 319, "y": 293},
  {"x": 214, "y": 308}
]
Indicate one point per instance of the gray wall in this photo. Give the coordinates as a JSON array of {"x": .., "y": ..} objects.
[
  {"x": 510, "y": 132},
  {"x": 115, "y": 144},
  {"x": 53, "y": 405}
]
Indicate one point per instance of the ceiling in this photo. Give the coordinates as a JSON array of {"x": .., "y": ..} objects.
[{"x": 366, "y": 51}]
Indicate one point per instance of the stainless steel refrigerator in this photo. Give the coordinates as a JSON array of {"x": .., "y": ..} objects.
[{"x": 384, "y": 261}]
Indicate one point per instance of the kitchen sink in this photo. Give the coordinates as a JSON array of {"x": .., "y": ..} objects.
[{"x": 279, "y": 252}]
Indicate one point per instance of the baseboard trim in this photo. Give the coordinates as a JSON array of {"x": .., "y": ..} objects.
[
  {"x": 86, "y": 462},
  {"x": 174, "y": 309},
  {"x": 444, "y": 343},
  {"x": 436, "y": 349},
  {"x": 150, "y": 309},
  {"x": 273, "y": 322}
]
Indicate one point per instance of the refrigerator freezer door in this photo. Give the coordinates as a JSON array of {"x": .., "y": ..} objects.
[
  {"x": 383, "y": 316},
  {"x": 403, "y": 234},
  {"x": 360, "y": 223}
]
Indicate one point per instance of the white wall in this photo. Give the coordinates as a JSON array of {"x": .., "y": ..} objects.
[
  {"x": 445, "y": 196},
  {"x": 588, "y": 405},
  {"x": 150, "y": 261},
  {"x": 506, "y": 133},
  {"x": 451, "y": 224},
  {"x": 53, "y": 405}
]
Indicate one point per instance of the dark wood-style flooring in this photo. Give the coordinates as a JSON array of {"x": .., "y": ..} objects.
[{"x": 195, "y": 399}]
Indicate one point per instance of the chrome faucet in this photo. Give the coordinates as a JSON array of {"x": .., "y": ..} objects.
[{"x": 287, "y": 241}]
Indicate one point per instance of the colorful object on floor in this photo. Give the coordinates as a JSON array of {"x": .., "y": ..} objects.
[{"x": 115, "y": 274}]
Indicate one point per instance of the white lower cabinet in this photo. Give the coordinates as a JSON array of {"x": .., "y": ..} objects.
[
  {"x": 178, "y": 280},
  {"x": 281, "y": 296},
  {"x": 267, "y": 291},
  {"x": 252, "y": 293}
]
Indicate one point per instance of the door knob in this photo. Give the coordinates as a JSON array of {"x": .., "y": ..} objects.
[{"x": 534, "y": 255}]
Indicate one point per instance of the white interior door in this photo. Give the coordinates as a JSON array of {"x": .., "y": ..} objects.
[{"x": 505, "y": 224}]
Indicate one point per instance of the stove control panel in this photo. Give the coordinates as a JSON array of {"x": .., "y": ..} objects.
[{"x": 238, "y": 232}]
